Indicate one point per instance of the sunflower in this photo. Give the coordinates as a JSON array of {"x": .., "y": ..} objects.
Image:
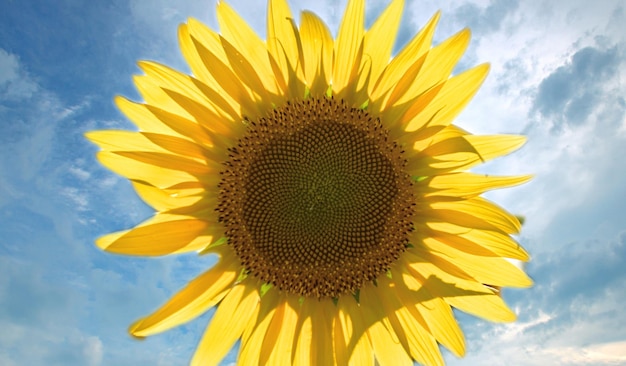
[{"x": 329, "y": 181}]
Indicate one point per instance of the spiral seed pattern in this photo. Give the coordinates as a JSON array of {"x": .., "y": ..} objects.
[{"x": 315, "y": 199}]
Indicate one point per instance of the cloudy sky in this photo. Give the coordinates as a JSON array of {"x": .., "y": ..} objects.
[{"x": 558, "y": 76}]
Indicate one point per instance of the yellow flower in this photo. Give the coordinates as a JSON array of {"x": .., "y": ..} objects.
[{"x": 328, "y": 179}]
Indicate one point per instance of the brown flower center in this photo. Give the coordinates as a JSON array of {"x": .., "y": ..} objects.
[{"x": 315, "y": 199}]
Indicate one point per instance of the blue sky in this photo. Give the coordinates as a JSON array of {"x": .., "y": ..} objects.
[{"x": 558, "y": 76}]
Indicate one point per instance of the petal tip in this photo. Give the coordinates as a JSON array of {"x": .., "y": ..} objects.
[
  {"x": 135, "y": 330},
  {"x": 91, "y": 136}
]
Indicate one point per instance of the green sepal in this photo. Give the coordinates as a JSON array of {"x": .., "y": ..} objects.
[
  {"x": 388, "y": 274},
  {"x": 521, "y": 219},
  {"x": 335, "y": 301},
  {"x": 357, "y": 295},
  {"x": 375, "y": 282},
  {"x": 221, "y": 241},
  {"x": 365, "y": 104},
  {"x": 301, "y": 300},
  {"x": 418, "y": 179},
  {"x": 409, "y": 245},
  {"x": 265, "y": 288},
  {"x": 243, "y": 274},
  {"x": 329, "y": 91}
]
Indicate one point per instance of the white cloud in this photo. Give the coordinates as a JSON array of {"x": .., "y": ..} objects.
[
  {"x": 93, "y": 350},
  {"x": 14, "y": 81},
  {"x": 9, "y": 69},
  {"x": 510, "y": 332},
  {"x": 79, "y": 173},
  {"x": 154, "y": 14},
  {"x": 77, "y": 198}
]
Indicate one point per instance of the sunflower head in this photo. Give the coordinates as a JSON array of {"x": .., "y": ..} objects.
[
  {"x": 328, "y": 178},
  {"x": 315, "y": 198}
]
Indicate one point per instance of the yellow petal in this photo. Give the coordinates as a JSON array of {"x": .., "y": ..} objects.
[
  {"x": 188, "y": 49},
  {"x": 422, "y": 139},
  {"x": 246, "y": 41},
  {"x": 462, "y": 153},
  {"x": 379, "y": 40},
  {"x": 473, "y": 241},
  {"x": 494, "y": 271},
  {"x": 279, "y": 338},
  {"x": 322, "y": 352},
  {"x": 246, "y": 73},
  {"x": 440, "y": 320},
  {"x": 423, "y": 345},
  {"x": 349, "y": 42},
  {"x": 253, "y": 335},
  {"x": 403, "y": 85},
  {"x": 439, "y": 63},
  {"x": 454, "y": 95},
  {"x": 160, "y": 200},
  {"x": 159, "y": 236},
  {"x": 386, "y": 343},
  {"x": 212, "y": 132},
  {"x": 282, "y": 42},
  {"x": 155, "y": 120},
  {"x": 192, "y": 301},
  {"x": 140, "y": 171},
  {"x": 421, "y": 263},
  {"x": 210, "y": 109},
  {"x": 216, "y": 125},
  {"x": 493, "y": 146},
  {"x": 386, "y": 350},
  {"x": 459, "y": 218},
  {"x": 191, "y": 35},
  {"x": 173, "y": 91},
  {"x": 115, "y": 140},
  {"x": 201, "y": 42},
  {"x": 425, "y": 118},
  {"x": 356, "y": 343},
  {"x": 392, "y": 305},
  {"x": 340, "y": 342},
  {"x": 317, "y": 47},
  {"x": 466, "y": 184},
  {"x": 489, "y": 307},
  {"x": 362, "y": 354},
  {"x": 171, "y": 161},
  {"x": 142, "y": 118},
  {"x": 240, "y": 99},
  {"x": 164, "y": 200},
  {"x": 439, "y": 280},
  {"x": 398, "y": 66},
  {"x": 170, "y": 79},
  {"x": 303, "y": 353},
  {"x": 176, "y": 145},
  {"x": 233, "y": 315},
  {"x": 435, "y": 312},
  {"x": 153, "y": 94},
  {"x": 273, "y": 332},
  {"x": 478, "y": 208},
  {"x": 395, "y": 114}
]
